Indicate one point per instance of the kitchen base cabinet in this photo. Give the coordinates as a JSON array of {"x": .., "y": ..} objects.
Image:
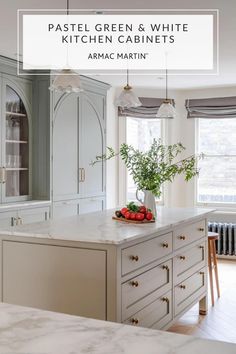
[
  {"x": 97, "y": 267},
  {"x": 23, "y": 215},
  {"x": 61, "y": 279},
  {"x": 66, "y": 208}
]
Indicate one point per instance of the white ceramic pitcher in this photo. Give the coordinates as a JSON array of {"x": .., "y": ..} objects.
[{"x": 149, "y": 201}]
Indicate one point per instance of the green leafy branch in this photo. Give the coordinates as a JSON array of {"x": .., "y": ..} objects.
[{"x": 152, "y": 168}]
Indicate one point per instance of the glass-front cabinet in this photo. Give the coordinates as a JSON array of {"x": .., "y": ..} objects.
[{"x": 16, "y": 134}]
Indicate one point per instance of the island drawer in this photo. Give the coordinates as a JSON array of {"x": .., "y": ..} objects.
[
  {"x": 189, "y": 233},
  {"x": 189, "y": 290},
  {"x": 187, "y": 260},
  {"x": 136, "y": 291},
  {"x": 155, "y": 315},
  {"x": 146, "y": 252}
]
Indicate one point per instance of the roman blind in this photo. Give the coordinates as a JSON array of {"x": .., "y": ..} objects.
[
  {"x": 220, "y": 107},
  {"x": 149, "y": 108}
]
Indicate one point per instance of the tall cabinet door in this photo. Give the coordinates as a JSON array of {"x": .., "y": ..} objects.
[
  {"x": 92, "y": 143},
  {"x": 65, "y": 148},
  {"x": 16, "y": 141}
]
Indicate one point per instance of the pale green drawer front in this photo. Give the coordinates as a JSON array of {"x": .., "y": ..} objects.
[
  {"x": 155, "y": 315},
  {"x": 146, "y": 252}
]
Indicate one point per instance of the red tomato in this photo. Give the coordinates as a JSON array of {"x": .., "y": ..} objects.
[
  {"x": 139, "y": 216},
  {"x": 127, "y": 215},
  {"x": 142, "y": 209},
  {"x": 123, "y": 211},
  {"x": 149, "y": 216},
  {"x": 132, "y": 216}
]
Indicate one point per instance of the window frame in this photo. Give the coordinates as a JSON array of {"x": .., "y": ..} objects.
[
  {"x": 123, "y": 175},
  {"x": 216, "y": 205}
]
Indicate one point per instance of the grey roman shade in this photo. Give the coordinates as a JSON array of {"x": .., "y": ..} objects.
[
  {"x": 220, "y": 107},
  {"x": 149, "y": 108}
]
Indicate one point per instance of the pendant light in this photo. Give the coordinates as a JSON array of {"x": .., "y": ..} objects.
[
  {"x": 166, "y": 110},
  {"x": 127, "y": 97},
  {"x": 66, "y": 80}
]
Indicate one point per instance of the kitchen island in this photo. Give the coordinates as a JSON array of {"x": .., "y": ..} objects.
[
  {"x": 25, "y": 330},
  {"x": 90, "y": 265}
]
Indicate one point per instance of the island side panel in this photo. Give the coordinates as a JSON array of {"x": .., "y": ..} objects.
[{"x": 51, "y": 277}]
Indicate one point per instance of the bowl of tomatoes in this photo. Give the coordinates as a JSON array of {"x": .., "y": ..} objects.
[{"x": 134, "y": 213}]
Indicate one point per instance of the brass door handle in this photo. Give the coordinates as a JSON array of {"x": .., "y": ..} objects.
[
  {"x": 83, "y": 174},
  {"x": 201, "y": 229},
  {"x": 165, "y": 299},
  {"x": 80, "y": 174},
  {"x": 2, "y": 175},
  {"x": 182, "y": 258},
  {"x": 182, "y": 237},
  {"x": 202, "y": 247},
  {"x": 182, "y": 286},
  {"x": 134, "y": 283},
  {"x": 134, "y": 321},
  {"x": 165, "y": 267},
  {"x": 20, "y": 221},
  {"x": 134, "y": 258},
  {"x": 165, "y": 245}
]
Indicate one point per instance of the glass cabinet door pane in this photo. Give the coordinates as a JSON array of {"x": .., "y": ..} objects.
[{"x": 17, "y": 146}]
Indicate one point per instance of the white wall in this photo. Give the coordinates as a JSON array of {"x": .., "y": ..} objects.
[{"x": 180, "y": 129}]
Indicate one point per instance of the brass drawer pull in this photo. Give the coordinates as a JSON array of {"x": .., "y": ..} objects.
[
  {"x": 182, "y": 237},
  {"x": 183, "y": 287},
  {"x": 202, "y": 247},
  {"x": 201, "y": 229},
  {"x": 134, "y": 283},
  {"x": 134, "y": 258},
  {"x": 134, "y": 321},
  {"x": 165, "y": 267},
  {"x": 165, "y": 299},
  {"x": 182, "y": 258},
  {"x": 165, "y": 245}
]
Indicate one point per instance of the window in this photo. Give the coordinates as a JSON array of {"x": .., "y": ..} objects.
[
  {"x": 140, "y": 134},
  {"x": 217, "y": 178}
]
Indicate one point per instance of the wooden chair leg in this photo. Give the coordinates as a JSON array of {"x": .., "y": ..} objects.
[
  {"x": 216, "y": 268},
  {"x": 210, "y": 271}
]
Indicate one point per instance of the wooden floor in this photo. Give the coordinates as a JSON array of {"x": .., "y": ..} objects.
[{"x": 220, "y": 322}]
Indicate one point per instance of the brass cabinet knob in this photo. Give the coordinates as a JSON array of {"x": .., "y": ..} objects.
[
  {"x": 165, "y": 267},
  {"x": 182, "y": 258},
  {"x": 165, "y": 299},
  {"x": 182, "y": 286},
  {"x": 134, "y": 258},
  {"x": 182, "y": 237},
  {"x": 165, "y": 245},
  {"x": 134, "y": 283},
  {"x": 134, "y": 321},
  {"x": 201, "y": 229}
]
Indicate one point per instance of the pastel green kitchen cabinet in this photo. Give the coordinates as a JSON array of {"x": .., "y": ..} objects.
[{"x": 16, "y": 139}]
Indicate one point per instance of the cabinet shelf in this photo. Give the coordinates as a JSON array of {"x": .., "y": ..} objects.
[
  {"x": 15, "y": 114},
  {"x": 17, "y": 141},
  {"x": 16, "y": 169}
]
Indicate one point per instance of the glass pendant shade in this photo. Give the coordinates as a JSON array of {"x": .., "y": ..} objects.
[
  {"x": 127, "y": 98},
  {"x": 66, "y": 81},
  {"x": 166, "y": 110}
]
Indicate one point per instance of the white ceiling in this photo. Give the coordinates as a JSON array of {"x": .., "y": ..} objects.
[{"x": 227, "y": 21}]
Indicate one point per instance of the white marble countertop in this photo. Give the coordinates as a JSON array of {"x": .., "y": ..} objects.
[
  {"x": 29, "y": 331},
  {"x": 24, "y": 205},
  {"x": 99, "y": 227}
]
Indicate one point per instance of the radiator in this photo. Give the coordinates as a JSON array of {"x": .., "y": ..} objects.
[{"x": 226, "y": 245}]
